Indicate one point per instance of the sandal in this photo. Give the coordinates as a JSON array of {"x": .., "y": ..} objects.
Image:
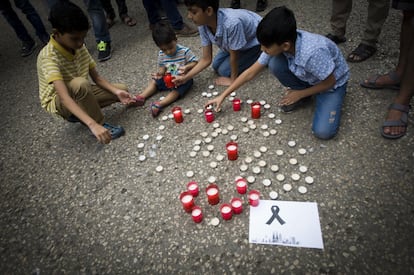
[
  {"x": 128, "y": 20},
  {"x": 155, "y": 109},
  {"x": 116, "y": 131},
  {"x": 402, "y": 122},
  {"x": 371, "y": 82},
  {"x": 336, "y": 39},
  {"x": 361, "y": 53},
  {"x": 139, "y": 101}
]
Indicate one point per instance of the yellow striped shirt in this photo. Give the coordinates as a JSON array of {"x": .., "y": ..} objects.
[{"x": 56, "y": 63}]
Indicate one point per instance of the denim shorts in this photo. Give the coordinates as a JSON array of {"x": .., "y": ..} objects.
[{"x": 182, "y": 89}]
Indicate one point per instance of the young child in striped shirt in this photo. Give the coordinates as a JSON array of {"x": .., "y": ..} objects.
[{"x": 173, "y": 59}]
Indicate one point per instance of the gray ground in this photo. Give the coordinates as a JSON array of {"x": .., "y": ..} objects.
[{"x": 71, "y": 206}]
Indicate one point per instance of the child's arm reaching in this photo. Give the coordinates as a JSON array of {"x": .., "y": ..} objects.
[{"x": 293, "y": 96}]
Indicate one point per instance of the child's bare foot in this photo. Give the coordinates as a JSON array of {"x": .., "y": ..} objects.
[{"x": 395, "y": 125}]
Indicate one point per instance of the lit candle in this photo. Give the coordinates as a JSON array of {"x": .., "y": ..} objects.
[
  {"x": 168, "y": 80},
  {"x": 213, "y": 194},
  {"x": 255, "y": 110},
  {"x": 254, "y": 198},
  {"x": 236, "y": 104},
  {"x": 226, "y": 211},
  {"x": 209, "y": 116},
  {"x": 192, "y": 188},
  {"x": 197, "y": 214},
  {"x": 187, "y": 200},
  {"x": 237, "y": 205},
  {"x": 178, "y": 114},
  {"x": 241, "y": 186},
  {"x": 232, "y": 153}
]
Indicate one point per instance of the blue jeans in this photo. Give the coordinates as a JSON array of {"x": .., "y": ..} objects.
[
  {"x": 221, "y": 62},
  {"x": 327, "y": 114},
  {"x": 26, "y": 7},
  {"x": 170, "y": 9},
  {"x": 97, "y": 15}
]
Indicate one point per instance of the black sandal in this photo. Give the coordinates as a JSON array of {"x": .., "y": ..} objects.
[{"x": 361, "y": 53}]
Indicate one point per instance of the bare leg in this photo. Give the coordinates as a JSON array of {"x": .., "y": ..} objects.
[{"x": 170, "y": 98}]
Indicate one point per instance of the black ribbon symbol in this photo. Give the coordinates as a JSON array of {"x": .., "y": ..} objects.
[{"x": 275, "y": 211}]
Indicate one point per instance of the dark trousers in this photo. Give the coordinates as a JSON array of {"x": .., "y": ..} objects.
[
  {"x": 110, "y": 12},
  {"x": 170, "y": 9}
]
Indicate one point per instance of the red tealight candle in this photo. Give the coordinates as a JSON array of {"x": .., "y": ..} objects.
[
  {"x": 168, "y": 80},
  {"x": 213, "y": 194},
  {"x": 209, "y": 115},
  {"x": 226, "y": 211},
  {"x": 192, "y": 188},
  {"x": 236, "y": 205},
  {"x": 241, "y": 186},
  {"x": 254, "y": 197},
  {"x": 236, "y": 104},
  {"x": 187, "y": 200},
  {"x": 197, "y": 214},
  {"x": 178, "y": 114},
  {"x": 231, "y": 148},
  {"x": 255, "y": 110}
]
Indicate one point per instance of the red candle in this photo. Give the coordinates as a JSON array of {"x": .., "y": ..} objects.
[
  {"x": 209, "y": 115},
  {"x": 168, "y": 80},
  {"x": 241, "y": 186},
  {"x": 197, "y": 214},
  {"x": 212, "y": 194},
  {"x": 236, "y": 104},
  {"x": 187, "y": 200},
  {"x": 178, "y": 114},
  {"x": 192, "y": 188},
  {"x": 255, "y": 110},
  {"x": 236, "y": 205},
  {"x": 226, "y": 211},
  {"x": 254, "y": 197},
  {"x": 231, "y": 148}
]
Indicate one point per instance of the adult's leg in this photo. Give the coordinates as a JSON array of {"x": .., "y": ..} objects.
[
  {"x": 377, "y": 14},
  {"x": 14, "y": 21},
  {"x": 328, "y": 112},
  {"x": 174, "y": 16},
  {"x": 341, "y": 9},
  {"x": 122, "y": 8},
  {"x": 407, "y": 84},
  {"x": 152, "y": 11},
  {"x": 108, "y": 8},
  {"x": 98, "y": 18},
  {"x": 31, "y": 14}
]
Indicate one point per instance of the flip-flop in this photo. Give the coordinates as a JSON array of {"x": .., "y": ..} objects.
[
  {"x": 129, "y": 21},
  {"x": 371, "y": 82},
  {"x": 363, "y": 52},
  {"x": 402, "y": 122}
]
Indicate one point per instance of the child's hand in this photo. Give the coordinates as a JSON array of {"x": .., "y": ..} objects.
[
  {"x": 215, "y": 102},
  {"x": 290, "y": 97},
  {"x": 101, "y": 133},
  {"x": 125, "y": 97}
]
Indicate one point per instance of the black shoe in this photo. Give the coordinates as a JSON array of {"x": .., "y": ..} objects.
[
  {"x": 336, "y": 39},
  {"x": 235, "y": 4},
  {"x": 292, "y": 107},
  {"x": 28, "y": 48},
  {"x": 261, "y": 5},
  {"x": 73, "y": 119},
  {"x": 104, "y": 51}
]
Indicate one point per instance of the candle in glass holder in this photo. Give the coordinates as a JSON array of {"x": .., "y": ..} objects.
[
  {"x": 197, "y": 214},
  {"x": 213, "y": 194},
  {"x": 254, "y": 197},
  {"x": 226, "y": 211},
  {"x": 209, "y": 115},
  {"x": 232, "y": 152},
  {"x": 241, "y": 186},
  {"x": 236, "y": 205},
  {"x": 168, "y": 78},
  {"x": 236, "y": 104},
  {"x": 187, "y": 200},
  {"x": 178, "y": 114},
  {"x": 255, "y": 110},
  {"x": 192, "y": 188}
]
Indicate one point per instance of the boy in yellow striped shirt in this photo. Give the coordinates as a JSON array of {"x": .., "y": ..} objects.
[{"x": 63, "y": 67}]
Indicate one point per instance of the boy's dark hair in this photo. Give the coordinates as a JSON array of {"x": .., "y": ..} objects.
[
  {"x": 277, "y": 27},
  {"x": 66, "y": 17},
  {"x": 163, "y": 34},
  {"x": 203, "y": 4}
]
